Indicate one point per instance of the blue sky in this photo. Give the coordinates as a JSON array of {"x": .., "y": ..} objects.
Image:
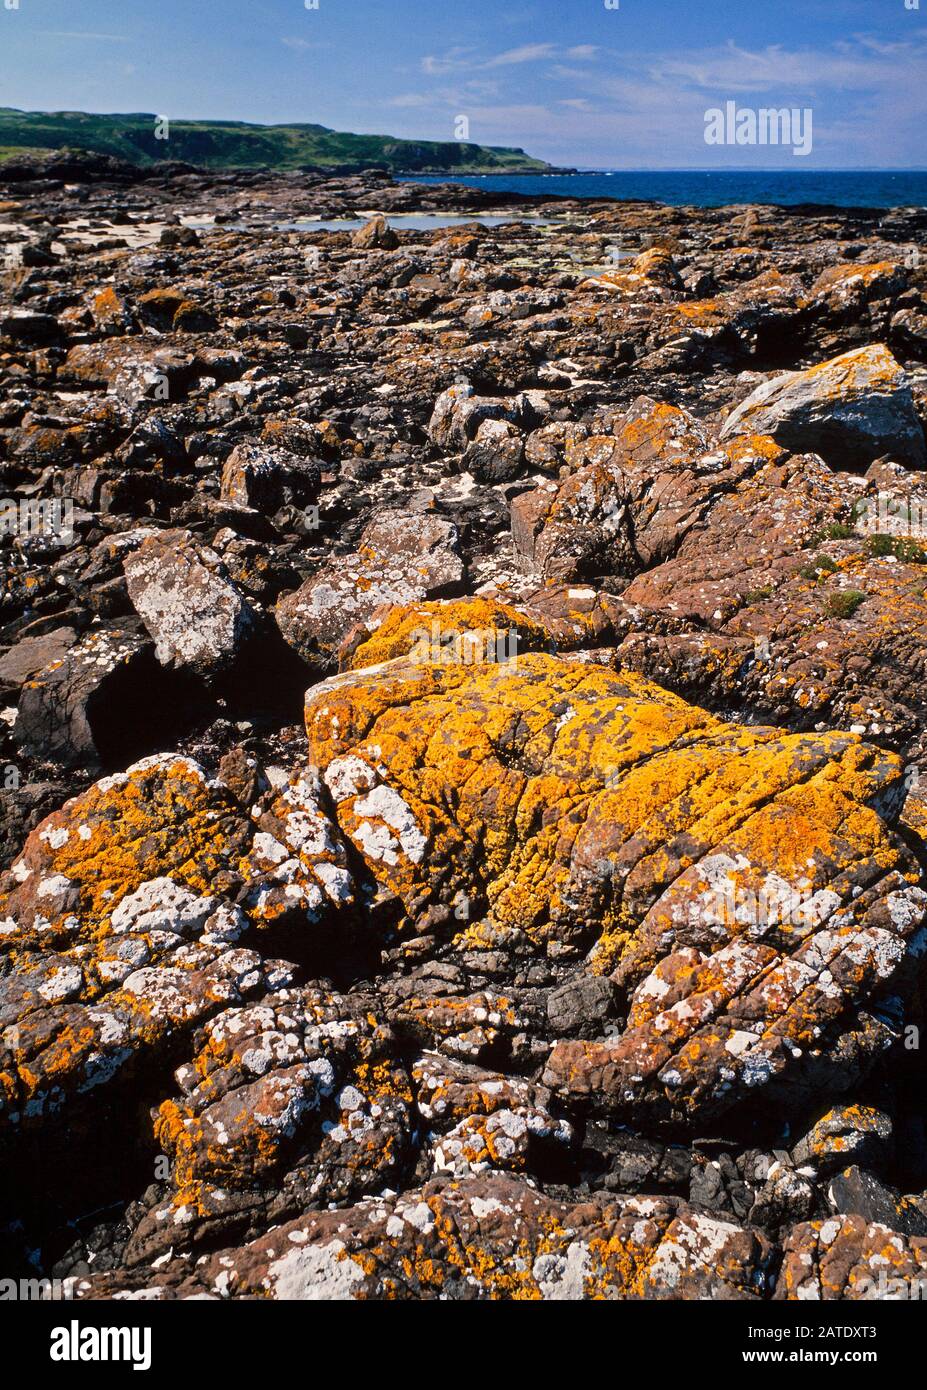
[{"x": 568, "y": 80}]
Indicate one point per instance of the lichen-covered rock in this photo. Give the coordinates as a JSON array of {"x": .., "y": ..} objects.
[
  {"x": 785, "y": 1197},
  {"x": 741, "y": 885},
  {"x": 634, "y": 495},
  {"x": 488, "y": 1237},
  {"x": 296, "y": 868},
  {"x": 111, "y": 313},
  {"x": 649, "y": 277},
  {"x": 473, "y": 1027},
  {"x": 849, "y": 285},
  {"x": 733, "y": 327},
  {"x": 856, "y": 303},
  {"x": 376, "y": 234},
  {"x": 458, "y": 415},
  {"x": 531, "y": 977},
  {"x": 184, "y": 596},
  {"x": 400, "y": 558},
  {"x": 579, "y": 530},
  {"x": 292, "y": 1102},
  {"x": 850, "y": 409},
  {"x": 784, "y": 598},
  {"x": 845, "y": 1258},
  {"x": 468, "y": 631},
  {"x": 480, "y": 1119},
  {"x": 120, "y": 923},
  {"x": 846, "y": 1134},
  {"x": 264, "y": 476}
]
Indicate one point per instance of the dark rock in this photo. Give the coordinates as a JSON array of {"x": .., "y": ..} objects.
[
  {"x": 580, "y": 1005},
  {"x": 857, "y": 1192},
  {"x": 375, "y": 235},
  {"x": 104, "y": 702}
]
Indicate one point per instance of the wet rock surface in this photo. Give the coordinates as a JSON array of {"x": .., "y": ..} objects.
[{"x": 463, "y": 713}]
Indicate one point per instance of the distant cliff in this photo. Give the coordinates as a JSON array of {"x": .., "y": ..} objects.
[{"x": 238, "y": 145}]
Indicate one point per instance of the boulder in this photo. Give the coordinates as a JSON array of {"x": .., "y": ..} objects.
[
  {"x": 565, "y": 812},
  {"x": 27, "y": 327},
  {"x": 857, "y": 1192},
  {"x": 631, "y": 496},
  {"x": 470, "y": 630},
  {"x": 195, "y": 614},
  {"x": 266, "y": 477},
  {"x": 400, "y": 558},
  {"x": 104, "y": 699},
  {"x": 32, "y": 654},
  {"x": 850, "y": 409},
  {"x": 845, "y": 1258},
  {"x": 495, "y": 454},
  {"x": 375, "y": 235},
  {"x": 458, "y": 414},
  {"x": 848, "y": 1133},
  {"x": 488, "y": 1237}
]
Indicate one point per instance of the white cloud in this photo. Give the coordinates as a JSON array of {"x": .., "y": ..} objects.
[
  {"x": 613, "y": 107},
  {"x": 454, "y": 60},
  {"x": 468, "y": 60},
  {"x": 847, "y": 66},
  {"x": 528, "y": 53},
  {"x": 411, "y": 100}
]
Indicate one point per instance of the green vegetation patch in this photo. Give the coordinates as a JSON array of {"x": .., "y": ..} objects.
[
  {"x": 239, "y": 145},
  {"x": 845, "y": 604},
  {"x": 902, "y": 547}
]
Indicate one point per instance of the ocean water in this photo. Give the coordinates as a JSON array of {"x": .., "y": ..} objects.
[
  {"x": 409, "y": 222},
  {"x": 883, "y": 188}
]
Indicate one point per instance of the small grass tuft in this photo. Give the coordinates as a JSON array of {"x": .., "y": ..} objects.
[
  {"x": 845, "y": 603},
  {"x": 902, "y": 547}
]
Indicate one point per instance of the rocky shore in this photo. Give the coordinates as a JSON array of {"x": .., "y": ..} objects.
[{"x": 464, "y": 707}]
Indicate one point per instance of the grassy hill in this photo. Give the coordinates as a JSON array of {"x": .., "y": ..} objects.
[{"x": 238, "y": 145}]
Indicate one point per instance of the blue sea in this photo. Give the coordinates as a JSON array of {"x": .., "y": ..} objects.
[{"x": 716, "y": 187}]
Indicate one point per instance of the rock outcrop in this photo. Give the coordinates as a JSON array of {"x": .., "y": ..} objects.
[{"x": 463, "y": 724}]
